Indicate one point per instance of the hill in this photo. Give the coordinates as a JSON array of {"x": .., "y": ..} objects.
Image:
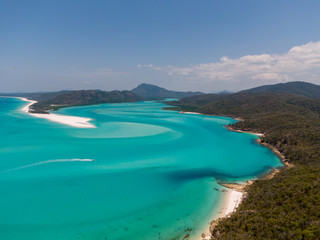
[
  {"x": 288, "y": 205},
  {"x": 149, "y": 91},
  {"x": 299, "y": 88},
  {"x": 82, "y": 97},
  {"x": 292, "y": 89}
]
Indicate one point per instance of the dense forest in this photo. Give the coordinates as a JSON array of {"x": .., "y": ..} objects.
[
  {"x": 288, "y": 205},
  {"x": 53, "y": 101}
]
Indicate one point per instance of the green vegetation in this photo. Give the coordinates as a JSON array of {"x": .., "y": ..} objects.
[
  {"x": 284, "y": 207},
  {"x": 288, "y": 205},
  {"x": 83, "y": 97}
]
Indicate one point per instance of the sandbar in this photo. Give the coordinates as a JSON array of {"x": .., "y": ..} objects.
[{"x": 79, "y": 122}]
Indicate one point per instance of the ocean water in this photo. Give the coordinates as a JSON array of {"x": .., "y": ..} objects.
[{"x": 154, "y": 174}]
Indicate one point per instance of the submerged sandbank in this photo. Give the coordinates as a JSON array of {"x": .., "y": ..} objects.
[{"x": 79, "y": 122}]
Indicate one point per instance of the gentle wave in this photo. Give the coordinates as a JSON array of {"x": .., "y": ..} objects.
[{"x": 51, "y": 161}]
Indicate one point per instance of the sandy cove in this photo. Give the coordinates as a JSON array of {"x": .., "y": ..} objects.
[
  {"x": 236, "y": 192},
  {"x": 79, "y": 122}
]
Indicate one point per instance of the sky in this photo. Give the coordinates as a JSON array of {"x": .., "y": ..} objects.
[{"x": 198, "y": 45}]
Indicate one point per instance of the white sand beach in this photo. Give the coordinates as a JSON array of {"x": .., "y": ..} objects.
[
  {"x": 191, "y": 112},
  {"x": 79, "y": 122},
  {"x": 230, "y": 203},
  {"x": 233, "y": 201}
]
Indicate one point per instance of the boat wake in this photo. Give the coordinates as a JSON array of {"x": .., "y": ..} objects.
[{"x": 51, "y": 161}]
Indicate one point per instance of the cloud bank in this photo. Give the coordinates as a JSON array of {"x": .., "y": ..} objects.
[{"x": 300, "y": 63}]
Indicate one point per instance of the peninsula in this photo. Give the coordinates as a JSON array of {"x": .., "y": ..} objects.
[{"x": 287, "y": 205}]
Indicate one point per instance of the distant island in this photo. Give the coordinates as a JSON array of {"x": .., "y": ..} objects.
[{"x": 153, "y": 92}]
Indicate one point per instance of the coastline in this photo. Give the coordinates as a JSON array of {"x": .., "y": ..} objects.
[
  {"x": 191, "y": 113},
  {"x": 78, "y": 122},
  {"x": 272, "y": 148},
  {"x": 236, "y": 192},
  {"x": 277, "y": 152},
  {"x": 241, "y": 131}
]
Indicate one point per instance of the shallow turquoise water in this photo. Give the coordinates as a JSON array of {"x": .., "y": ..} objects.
[{"x": 153, "y": 175}]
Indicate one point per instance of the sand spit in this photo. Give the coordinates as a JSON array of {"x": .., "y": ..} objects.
[{"x": 79, "y": 122}]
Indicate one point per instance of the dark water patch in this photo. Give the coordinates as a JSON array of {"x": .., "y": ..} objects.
[{"x": 192, "y": 174}]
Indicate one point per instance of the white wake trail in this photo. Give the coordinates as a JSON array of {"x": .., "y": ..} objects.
[{"x": 51, "y": 161}]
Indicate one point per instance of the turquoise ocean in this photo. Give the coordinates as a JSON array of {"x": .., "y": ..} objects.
[{"x": 154, "y": 174}]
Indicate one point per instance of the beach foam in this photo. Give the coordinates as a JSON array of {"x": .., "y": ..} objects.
[{"x": 79, "y": 122}]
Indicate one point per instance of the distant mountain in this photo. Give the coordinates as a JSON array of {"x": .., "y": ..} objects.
[
  {"x": 299, "y": 88},
  {"x": 225, "y": 92},
  {"x": 154, "y": 92},
  {"x": 83, "y": 97}
]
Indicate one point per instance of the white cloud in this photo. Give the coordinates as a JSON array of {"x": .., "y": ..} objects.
[{"x": 300, "y": 63}]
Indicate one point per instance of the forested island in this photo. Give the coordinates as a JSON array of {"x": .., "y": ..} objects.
[
  {"x": 153, "y": 92},
  {"x": 286, "y": 206},
  {"x": 54, "y": 100}
]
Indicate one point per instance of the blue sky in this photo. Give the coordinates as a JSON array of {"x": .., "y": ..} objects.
[{"x": 206, "y": 45}]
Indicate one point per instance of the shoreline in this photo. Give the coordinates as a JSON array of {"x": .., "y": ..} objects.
[
  {"x": 192, "y": 113},
  {"x": 230, "y": 128},
  {"x": 237, "y": 193},
  {"x": 78, "y": 122},
  {"x": 283, "y": 159},
  {"x": 229, "y": 203}
]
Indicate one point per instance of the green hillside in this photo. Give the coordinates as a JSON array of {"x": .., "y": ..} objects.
[
  {"x": 83, "y": 97},
  {"x": 288, "y": 205},
  {"x": 298, "y": 88}
]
